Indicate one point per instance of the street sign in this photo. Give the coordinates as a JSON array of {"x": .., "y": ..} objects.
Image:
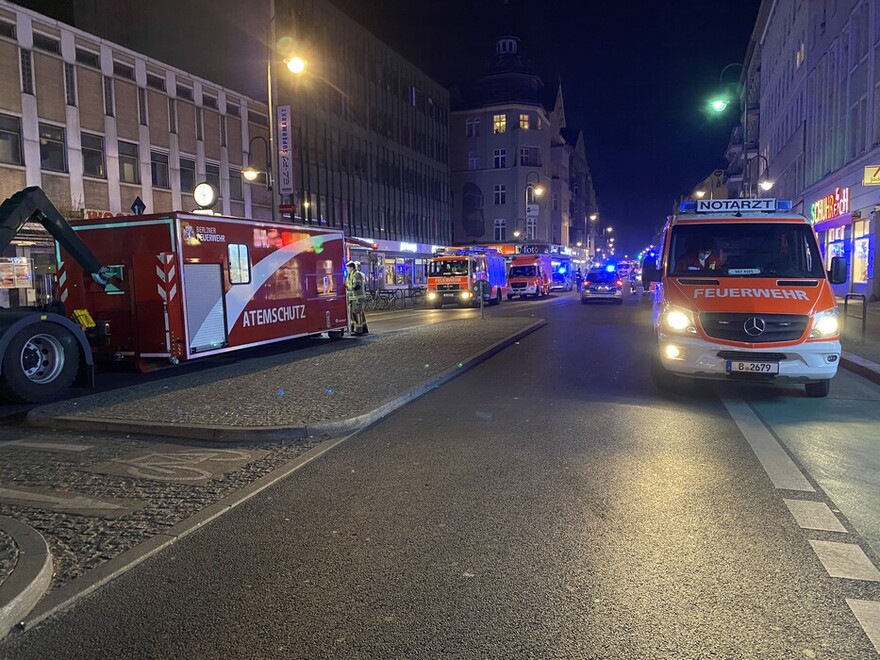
[
  {"x": 532, "y": 210},
  {"x": 138, "y": 207},
  {"x": 872, "y": 175}
]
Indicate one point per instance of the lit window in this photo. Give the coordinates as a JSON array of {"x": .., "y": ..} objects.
[
  {"x": 129, "y": 167},
  {"x": 239, "y": 264},
  {"x": 524, "y": 121},
  {"x": 499, "y": 123}
]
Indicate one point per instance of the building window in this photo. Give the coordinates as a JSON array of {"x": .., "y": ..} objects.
[
  {"x": 10, "y": 140},
  {"x": 473, "y": 160},
  {"x": 861, "y": 250},
  {"x": 7, "y": 29},
  {"x": 142, "y": 106},
  {"x": 172, "y": 115},
  {"x": 524, "y": 121},
  {"x": 187, "y": 175},
  {"x": 212, "y": 176},
  {"x": 184, "y": 93},
  {"x": 500, "y": 194},
  {"x": 500, "y": 158},
  {"x": 555, "y": 201},
  {"x": 499, "y": 123},
  {"x": 200, "y": 131},
  {"x": 27, "y": 72},
  {"x": 129, "y": 168},
  {"x": 70, "y": 84},
  {"x": 236, "y": 192},
  {"x": 48, "y": 44},
  {"x": 531, "y": 229},
  {"x": 500, "y": 229},
  {"x": 123, "y": 70},
  {"x": 52, "y": 148},
  {"x": 223, "y": 130},
  {"x": 156, "y": 82},
  {"x": 93, "y": 155},
  {"x": 209, "y": 101},
  {"x": 472, "y": 127},
  {"x": 159, "y": 169},
  {"x": 108, "y": 96},
  {"x": 88, "y": 58},
  {"x": 233, "y": 110}
]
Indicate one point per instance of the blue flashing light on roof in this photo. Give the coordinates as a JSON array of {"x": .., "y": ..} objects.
[
  {"x": 783, "y": 205},
  {"x": 610, "y": 268},
  {"x": 687, "y": 207}
]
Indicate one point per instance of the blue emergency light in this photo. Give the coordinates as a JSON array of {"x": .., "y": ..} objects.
[{"x": 610, "y": 268}]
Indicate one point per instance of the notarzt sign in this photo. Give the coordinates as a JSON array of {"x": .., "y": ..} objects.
[{"x": 733, "y": 205}]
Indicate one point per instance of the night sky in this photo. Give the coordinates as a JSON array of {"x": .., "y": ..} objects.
[{"x": 635, "y": 77}]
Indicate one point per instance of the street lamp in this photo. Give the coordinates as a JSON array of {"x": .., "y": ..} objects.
[
  {"x": 700, "y": 194},
  {"x": 764, "y": 183},
  {"x": 720, "y": 103},
  {"x": 531, "y": 192},
  {"x": 251, "y": 173}
]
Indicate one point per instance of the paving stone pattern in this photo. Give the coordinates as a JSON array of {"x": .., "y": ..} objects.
[
  {"x": 324, "y": 384},
  {"x": 852, "y": 331},
  {"x": 8, "y": 555},
  {"x": 81, "y": 542}
]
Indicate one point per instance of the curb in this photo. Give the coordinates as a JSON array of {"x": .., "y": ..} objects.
[
  {"x": 864, "y": 368},
  {"x": 258, "y": 434},
  {"x": 30, "y": 578}
]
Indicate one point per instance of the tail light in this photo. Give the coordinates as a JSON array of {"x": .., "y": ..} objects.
[{"x": 619, "y": 283}]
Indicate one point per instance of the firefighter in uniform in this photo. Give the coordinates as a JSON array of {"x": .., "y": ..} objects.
[{"x": 355, "y": 291}]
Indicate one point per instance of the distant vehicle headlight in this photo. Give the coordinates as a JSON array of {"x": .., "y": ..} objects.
[
  {"x": 825, "y": 324},
  {"x": 432, "y": 295}
]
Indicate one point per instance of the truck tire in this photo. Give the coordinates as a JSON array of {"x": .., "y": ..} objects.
[
  {"x": 39, "y": 364},
  {"x": 818, "y": 389}
]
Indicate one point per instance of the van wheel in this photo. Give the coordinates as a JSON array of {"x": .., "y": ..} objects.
[
  {"x": 335, "y": 335},
  {"x": 663, "y": 379},
  {"x": 818, "y": 389}
]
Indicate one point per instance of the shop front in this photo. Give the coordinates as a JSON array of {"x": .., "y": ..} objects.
[
  {"x": 844, "y": 220},
  {"x": 394, "y": 264}
]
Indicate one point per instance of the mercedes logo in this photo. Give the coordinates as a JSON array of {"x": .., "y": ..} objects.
[{"x": 754, "y": 326}]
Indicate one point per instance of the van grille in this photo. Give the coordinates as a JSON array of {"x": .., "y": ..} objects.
[
  {"x": 776, "y": 327},
  {"x": 751, "y": 356}
]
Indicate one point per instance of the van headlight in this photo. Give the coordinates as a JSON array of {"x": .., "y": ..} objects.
[
  {"x": 679, "y": 319},
  {"x": 432, "y": 295},
  {"x": 825, "y": 324}
]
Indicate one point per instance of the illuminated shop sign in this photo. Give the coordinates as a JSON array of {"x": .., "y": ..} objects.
[
  {"x": 409, "y": 247},
  {"x": 831, "y": 206}
]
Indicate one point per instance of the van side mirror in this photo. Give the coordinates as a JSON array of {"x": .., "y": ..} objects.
[
  {"x": 650, "y": 273},
  {"x": 839, "y": 270}
]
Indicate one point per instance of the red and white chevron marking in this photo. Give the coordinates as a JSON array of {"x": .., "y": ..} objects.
[{"x": 167, "y": 273}]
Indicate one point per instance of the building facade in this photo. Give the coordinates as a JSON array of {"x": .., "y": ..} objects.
[
  {"x": 369, "y": 151},
  {"x": 816, "y": 66}
]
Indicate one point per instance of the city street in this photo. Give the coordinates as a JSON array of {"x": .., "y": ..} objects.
[{"x": 546, "y": 503}]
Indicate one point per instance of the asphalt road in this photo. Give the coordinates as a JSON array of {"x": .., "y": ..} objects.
[{"x": 547, "y": 504}]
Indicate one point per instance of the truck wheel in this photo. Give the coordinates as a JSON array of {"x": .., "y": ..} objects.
[
  {"x": 335, "y": 335},
  {"x": 818, "y": 389},
  {"x": 662, "y": 378},
  {"x": 40, "y": 363}
]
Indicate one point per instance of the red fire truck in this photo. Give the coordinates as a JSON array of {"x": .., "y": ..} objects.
[
  {"x": 465, "y": 275},
  {"x": 192, "y": 285}
]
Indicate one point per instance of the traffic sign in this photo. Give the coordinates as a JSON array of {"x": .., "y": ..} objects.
[
  {"x": 872, "y": 175},
  {"x": 138, "y": 207}
]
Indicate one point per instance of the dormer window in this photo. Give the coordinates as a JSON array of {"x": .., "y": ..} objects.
[{"x": 505, "y": 46}]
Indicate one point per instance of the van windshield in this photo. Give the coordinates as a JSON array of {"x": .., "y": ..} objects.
[
  {"x": 522, "y": 271},
  {"x": 448, "y": 268},
  {"x": 745, "y": 250}
]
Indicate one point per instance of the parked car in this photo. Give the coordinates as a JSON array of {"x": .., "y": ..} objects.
[{"x": 604, "y": 284}]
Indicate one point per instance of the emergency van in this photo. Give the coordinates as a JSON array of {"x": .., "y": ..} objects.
[
  {"x": 465, "y": 276},
  {"x": 529, "y": 275},
  {"x": 742, "y": 294}
]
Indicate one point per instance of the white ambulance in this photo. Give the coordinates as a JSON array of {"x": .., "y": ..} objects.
[{"x": 743, "y": 294}]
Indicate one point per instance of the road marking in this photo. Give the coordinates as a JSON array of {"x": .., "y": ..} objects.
[
  {"x": 66, "y": 502},
  {"x": 49, "y": 446},
  {"x": 814, "y": 515},
  {"x": 176, "y": 465},
  {"x": 868, "y": 614},
  {"x": 779, "y": 467},
  {"x": 845, "y": 560}
]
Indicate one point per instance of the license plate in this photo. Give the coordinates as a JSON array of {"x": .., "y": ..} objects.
[{"x": 741, "y": 367}]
